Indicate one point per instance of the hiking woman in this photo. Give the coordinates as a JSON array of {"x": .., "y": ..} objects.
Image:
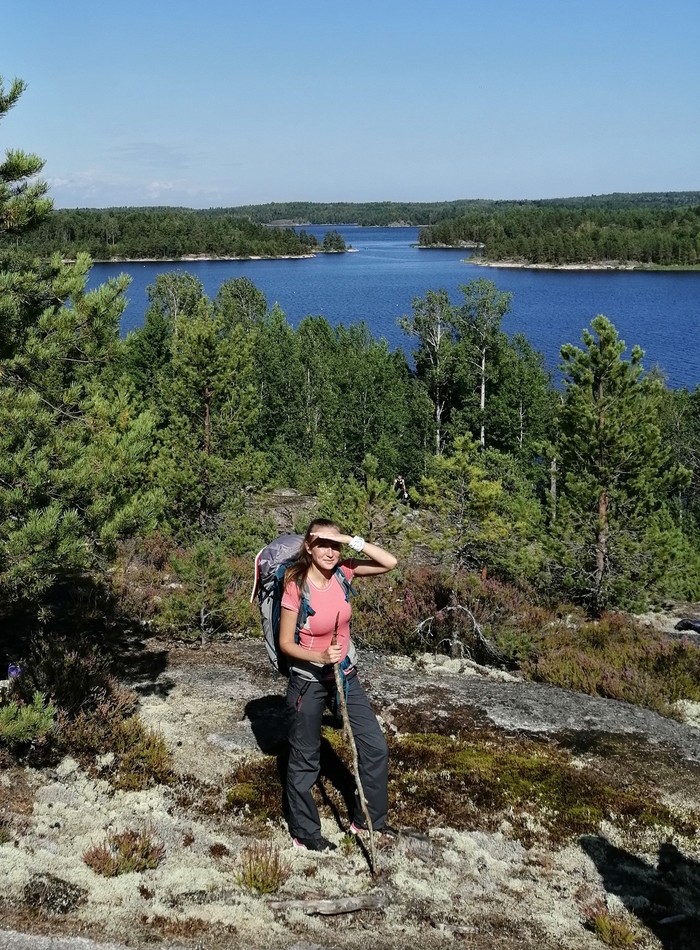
[{"x": 312, "y": 654}]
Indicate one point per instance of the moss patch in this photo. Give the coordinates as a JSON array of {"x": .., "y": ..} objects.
[
  {"x": 438, "y": 780},
  {"x": 254, "y": 791}
]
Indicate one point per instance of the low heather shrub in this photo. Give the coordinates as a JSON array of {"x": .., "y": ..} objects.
[
  {"x": 141, "y": 756},
  {"x": 125, "y": 852},
  {"x": 430, "y": 609},
  {"x": 619, "y": 659},
  {"x": 72, "y": 675}
]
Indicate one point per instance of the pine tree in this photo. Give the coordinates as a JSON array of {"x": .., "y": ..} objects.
[
  {"x": 74, "y": 443},
  {"x": 318, "y": 352},
  {"x": 280, "y": 383},
  {"x": 617, "y": 475},
  {"x": 74, "y": 447},
  {"x": 200, "y": 607},
  {"x": 520, "y": 409},
  {"x": 367, "y": 504},
  {"x": 24, "y": 288},
  {"x": 23, "y": 200},
  {"x": 465, "y": 501},
  {"x": 211, "y": 407}
]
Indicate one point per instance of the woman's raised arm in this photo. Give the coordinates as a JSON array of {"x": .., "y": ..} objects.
[{"x": 378, "y": 560}]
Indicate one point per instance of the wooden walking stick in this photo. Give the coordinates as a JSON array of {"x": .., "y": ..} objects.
[{"x": 353, "y": 748}]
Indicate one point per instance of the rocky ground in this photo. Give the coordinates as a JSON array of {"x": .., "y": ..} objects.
[{"x": 503, "y": 883}]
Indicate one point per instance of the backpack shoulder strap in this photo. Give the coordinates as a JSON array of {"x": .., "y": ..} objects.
[
  {"x": 344, "y": 583},
  {"x": 305, "y": 610}
]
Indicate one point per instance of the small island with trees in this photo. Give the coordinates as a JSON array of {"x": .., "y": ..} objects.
[
  {"x": 562, "y": 235},
  {"x": 160, "y": 234}
]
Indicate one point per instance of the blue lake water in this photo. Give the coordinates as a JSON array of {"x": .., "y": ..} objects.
[{"x": 659, "y": 311}]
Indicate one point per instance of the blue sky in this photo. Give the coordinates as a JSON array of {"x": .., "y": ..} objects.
[{"x": 222, "y": 102}]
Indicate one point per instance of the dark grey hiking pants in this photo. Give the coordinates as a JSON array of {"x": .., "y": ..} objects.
[{"x": 306, "y": 700}]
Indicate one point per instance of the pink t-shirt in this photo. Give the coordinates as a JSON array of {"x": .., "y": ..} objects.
[{"x": 317, "y": 632}]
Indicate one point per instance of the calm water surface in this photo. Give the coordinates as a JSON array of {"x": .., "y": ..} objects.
[{"x": 659, "y": 311}]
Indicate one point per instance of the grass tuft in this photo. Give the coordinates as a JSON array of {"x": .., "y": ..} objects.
[
  {"x": 262, "y": 869},
  {"x": 610, "y": 929}
]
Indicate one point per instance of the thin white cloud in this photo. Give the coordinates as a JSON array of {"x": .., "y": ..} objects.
[
  {"x": 91, "y": 188},
  {"x": 150, "y": 154},
  {"x": 182, "y": 186}
]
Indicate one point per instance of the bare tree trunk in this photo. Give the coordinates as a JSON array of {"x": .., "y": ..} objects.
[
  {"x": 601, "y": 549},
  {"x": 521, "y": 432},
  {"x": 482, "y": 403},
  {"x": 204, "y": 498},
  {"x": 438, "y": 422}
]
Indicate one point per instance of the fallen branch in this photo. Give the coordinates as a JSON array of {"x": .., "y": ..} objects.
[
  {"x": 339, "y": 905},
  {"x": 483, "y": 648}
]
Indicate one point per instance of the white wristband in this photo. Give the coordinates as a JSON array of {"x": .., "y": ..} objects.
[{"x": 356, "y": 543}]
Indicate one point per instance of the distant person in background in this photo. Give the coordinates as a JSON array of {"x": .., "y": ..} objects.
[
  {"x": 323, "y": 640},
  {"x": 400, "y": 487}
]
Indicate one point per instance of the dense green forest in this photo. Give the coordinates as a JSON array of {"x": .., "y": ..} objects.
[
  {"x": 419, "y": 214},
  {"x": 162, "y": 233},
  {"x": 170, "y": 442},
  {"x": 566, "y": 234}
]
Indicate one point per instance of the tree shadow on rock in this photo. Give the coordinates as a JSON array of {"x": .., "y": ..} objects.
[
  {"x": 339, "y": 778},
  {"x": 83, "y": 620},
  {"x": 268, "y": 721},
  {"x": 665, "y": 898}
]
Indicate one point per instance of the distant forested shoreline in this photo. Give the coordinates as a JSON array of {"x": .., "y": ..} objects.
[
  {"x": 648, "y": 229},
  {"x": 167, "y": 233},
  {"x": 427, "y": 213},
  {"x": 643, "y": 236}
]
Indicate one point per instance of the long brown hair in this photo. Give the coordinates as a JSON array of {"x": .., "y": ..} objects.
[{"x": 299, "y": 568}]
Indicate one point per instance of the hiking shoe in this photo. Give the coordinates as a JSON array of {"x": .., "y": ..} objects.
[
  {"x": 314, "y": 844},
  {"x": 387, "y": 833}
]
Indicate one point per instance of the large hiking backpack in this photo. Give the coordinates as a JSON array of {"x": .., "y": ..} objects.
[{"x": 268, "y": 585}]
